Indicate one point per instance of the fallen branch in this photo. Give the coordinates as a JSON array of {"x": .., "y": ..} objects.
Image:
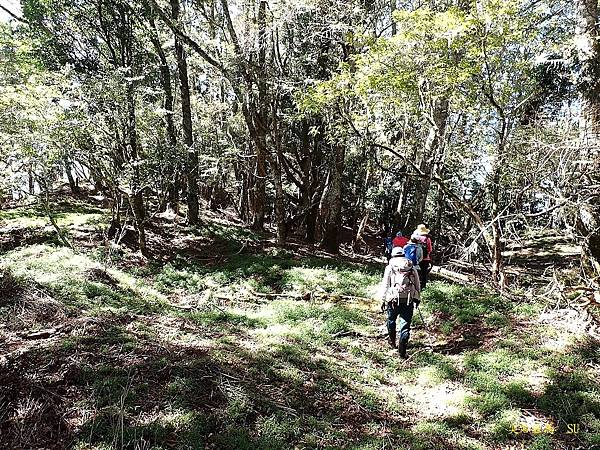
[
  {"x": 42, "y": 334},
  {"x": 310, "y": 295},
  {"x": 452, "y": 276},
  {"x": 275, "y": 295}
]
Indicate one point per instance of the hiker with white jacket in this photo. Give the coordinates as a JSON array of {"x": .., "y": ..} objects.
[{"x": 399, "y": 292}]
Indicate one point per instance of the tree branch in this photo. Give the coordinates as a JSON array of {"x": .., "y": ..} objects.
[{"x": 188, "y": 40}]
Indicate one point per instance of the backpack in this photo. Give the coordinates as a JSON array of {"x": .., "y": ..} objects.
[
  {"x": 402, "y": 285},
  {"x": 414, "y": 253}
]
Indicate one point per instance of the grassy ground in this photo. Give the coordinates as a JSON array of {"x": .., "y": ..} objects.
[{"x": 235, "y": 344}]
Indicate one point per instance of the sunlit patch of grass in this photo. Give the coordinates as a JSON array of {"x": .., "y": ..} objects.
[
  {"x": 228, "y": 233},
  {"x": 216, "y": 317},
  {"x": 320, "y": 430},
  {"x": 333, "y": 280},
  {"x": 268, "y": 274},
  {"x": 464, "y": 304},
  {"x": 65, "y": 274},
  {"x": 369, "y": 399},
  {"x": 528, "y": 309},
  {"x": 488, "y": 403},
  {"x": 433, "y": 434},
  {"x": 499, "y": 362},
  {"x": 292, "y": 374},
  {"x": 275, "y": 431},
  {"x": 77, "y": 220},
  {"x": 326, "y": 319},
  {"x": 459, "y": 419},
  {"x": 190, "y": 427},
  {"x": 170, "y": 278},
  {"x": 447, "y": 328},
  {"x": 502, "y": 426},
  {"x": 65, "y": 215},
  {"x": 439, "y": 367}
]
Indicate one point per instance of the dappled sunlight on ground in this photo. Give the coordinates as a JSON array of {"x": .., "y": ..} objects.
[{"x": 274, "y": 350}]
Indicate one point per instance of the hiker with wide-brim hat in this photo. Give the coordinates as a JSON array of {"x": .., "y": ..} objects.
[{"x": 421, "y": 233}]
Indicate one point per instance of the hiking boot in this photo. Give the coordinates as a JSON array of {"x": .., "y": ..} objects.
[
  {"x": 402, "y": 349},
  {"x": 392, "y": 340}
]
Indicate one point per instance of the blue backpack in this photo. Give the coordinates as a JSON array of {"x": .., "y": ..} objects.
[{"x": 413, "y": 252}]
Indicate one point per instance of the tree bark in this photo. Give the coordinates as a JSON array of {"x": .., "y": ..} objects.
[
  {"x": 172, "y": 170},
  {"x": 191, "y": 154},
  {"x": 496, "y": 244},
  {"x": 431, "y": 149},
  {"x": 136, "y": 197},
  {"x": 69, "y": 172},
  {"x": 259, "y": 124},
  {"x": 330, "y": 208},
  {"x": 277, "y": 162},
  {"x": 588, "y": 170}
]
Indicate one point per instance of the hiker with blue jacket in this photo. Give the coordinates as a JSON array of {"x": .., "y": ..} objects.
[
  {"x": 399, "y": 292},
  {"x": 388, "y": 246}
]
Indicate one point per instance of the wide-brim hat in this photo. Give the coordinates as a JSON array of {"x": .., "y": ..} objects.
[
  {"x": 422, "y": 229},
  {"x": 397, "y": 251}
]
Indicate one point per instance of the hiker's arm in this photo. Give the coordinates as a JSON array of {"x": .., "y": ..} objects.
[{"x": 383, "y": 287}]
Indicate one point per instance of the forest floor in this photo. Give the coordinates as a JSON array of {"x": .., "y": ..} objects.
[{"x": 227, "y": 341}]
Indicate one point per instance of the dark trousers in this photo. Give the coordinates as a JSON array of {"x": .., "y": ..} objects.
[
  {"x": 405, "y": 312},
  {"x": 423, "y": 273}
]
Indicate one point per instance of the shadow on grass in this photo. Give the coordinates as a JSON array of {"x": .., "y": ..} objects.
[{"x": 117, "y": 388}]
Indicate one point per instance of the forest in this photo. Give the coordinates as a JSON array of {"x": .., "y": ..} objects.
[{"x": 196, "y": 198}]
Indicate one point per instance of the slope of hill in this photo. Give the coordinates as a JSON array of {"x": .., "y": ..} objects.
[{"x": 226, "y": 341}]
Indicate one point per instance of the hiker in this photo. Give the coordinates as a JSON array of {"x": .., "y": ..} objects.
[
  {"x": 422, "y": 235},
  {"x": 399, "y": 292},
  {"x": 414, "y": 251},
  {"x": 388, "y": 246},
  {"x": 399, "y": 240}
]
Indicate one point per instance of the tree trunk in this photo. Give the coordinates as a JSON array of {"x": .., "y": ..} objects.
[
  {"x": 588, "y": 170},
  {"x": 496, "y": 244},
  {"x": 589, "y": 82},
  {"x": 431, "y": 150},
  {"x": 259, "y": 125},
  {"x": 393, "y": 7},
  {"x": 358, "y": 238},
  {"x": 312, "y": 162},
  {"x": 69, "y": 172},
  {"x": 136, "y": 198},
  {"x": 31, "y": 181},
  {"x": 330, "y": 208},
  {"x": 169, "y": 104},
  {"x": 440, "y": 209},
  {"x": 276, "y": 163},
  {"x": 191, "y": 154}
]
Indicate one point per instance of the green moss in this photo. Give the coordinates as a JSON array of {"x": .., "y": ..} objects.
[{"x": 488, "y": 403}]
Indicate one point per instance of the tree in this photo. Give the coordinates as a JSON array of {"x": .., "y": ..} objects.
[{"x": 588, "y": 53}]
